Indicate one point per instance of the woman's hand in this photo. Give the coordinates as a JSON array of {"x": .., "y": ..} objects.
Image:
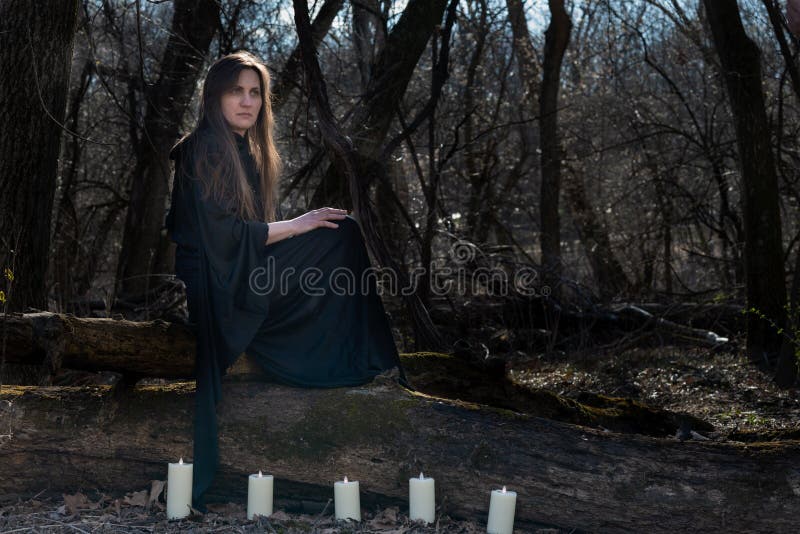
[{"x": 320, "y": 218}]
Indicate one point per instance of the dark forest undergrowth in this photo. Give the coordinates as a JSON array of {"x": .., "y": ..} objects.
[{"x": 720, "y": 387}]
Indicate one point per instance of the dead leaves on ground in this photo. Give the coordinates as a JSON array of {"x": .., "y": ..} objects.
[
  {"x": 145, "y": 508},
  {"x": 147, "y": 499}
]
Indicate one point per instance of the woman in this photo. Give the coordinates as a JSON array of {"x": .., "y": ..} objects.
[{"x": 246, "y": 271}]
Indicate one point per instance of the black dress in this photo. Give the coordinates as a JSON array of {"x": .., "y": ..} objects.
[{"x": 309, "y": 329}]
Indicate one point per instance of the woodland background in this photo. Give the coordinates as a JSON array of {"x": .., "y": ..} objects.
[
  {"x": 636, "y": 160},
  {"x": 628, "y": 151}
]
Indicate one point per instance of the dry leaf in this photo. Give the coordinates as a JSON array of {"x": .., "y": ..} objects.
[
  {"x": 156, "y": 487},
  {"x": 137, "y": 498},
  {"x": 75, "y": 502},
  {"x": 386, "y": 518},
  {"x": 228, "y": 508},
  {"x": 280, "y": 515}
]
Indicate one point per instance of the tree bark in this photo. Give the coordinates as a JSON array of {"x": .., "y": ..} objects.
[
  {"x": 143, "y": 253},
  {"x": 36, "y": 41},
  {"x": 555, "y": 44},
  {"x": 764, "y": 270},
  {"x": 564, "y": 475}
]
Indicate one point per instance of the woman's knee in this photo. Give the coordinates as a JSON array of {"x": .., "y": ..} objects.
[{"x": 349, "y": 224}]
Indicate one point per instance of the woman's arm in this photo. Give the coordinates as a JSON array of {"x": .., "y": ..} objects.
[
  {"x": 319, "y": 218},
  {"x": 280, "y": 230}
]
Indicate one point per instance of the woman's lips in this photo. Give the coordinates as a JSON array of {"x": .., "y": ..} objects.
[{"x": 245, "y": 114}]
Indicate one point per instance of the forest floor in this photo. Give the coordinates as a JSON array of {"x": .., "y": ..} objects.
[
  {"x": 722, "y": 388},
  {"x": 105, "y": 515}
]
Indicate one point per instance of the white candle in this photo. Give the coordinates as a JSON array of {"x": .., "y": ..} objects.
[
  {"x": 259, "y": 495},
  {"x": 179, "y": 490},
  {"x": 501, "y": 512},
  {"x": 346, "y": 499},
  {"x": 421, "y": 499}
]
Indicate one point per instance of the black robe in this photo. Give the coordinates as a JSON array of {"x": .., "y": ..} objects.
[{"x": 312, "y": 330}]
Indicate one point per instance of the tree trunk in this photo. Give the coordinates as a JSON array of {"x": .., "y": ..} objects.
[
  {"x": 480, "y": 201},
  {"x": 36, "y": 40},
  {"x": 556, "y": 40},
  {"x": 143, "y": 255},
  {"x": 608, "y": 273},
  {"x": 292, "y": 72},
  {"x": 786, "y": 371},
  {"x": 367, "y": 30},
  {"x": 380, "y": 434},
  {"x": 766, "y": 286},
  {"x": 65, "y": 265}
]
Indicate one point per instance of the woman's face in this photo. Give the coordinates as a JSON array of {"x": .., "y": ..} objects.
[{"x": 241, "y": 103}]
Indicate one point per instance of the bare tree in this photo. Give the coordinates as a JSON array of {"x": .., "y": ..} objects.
[{"x": 764, "y": 270}]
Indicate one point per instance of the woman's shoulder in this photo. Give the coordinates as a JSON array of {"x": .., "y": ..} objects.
[
  {"x": 196, "y": 152},
  {"x": 198, "y": 141}
]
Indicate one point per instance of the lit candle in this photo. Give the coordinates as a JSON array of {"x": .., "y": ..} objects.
[
  {"x": 346, "y": 499},
  {"x": 421, "y": 499},
  {"x": 179, "y": 490},
  {"x": 501, "y": 512},
  {"x": 259, "y": 495}
]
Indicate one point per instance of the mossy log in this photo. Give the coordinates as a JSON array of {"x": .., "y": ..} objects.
[
  {"x": 159, "y": 349},
  {"x": 83, "y": 438}
]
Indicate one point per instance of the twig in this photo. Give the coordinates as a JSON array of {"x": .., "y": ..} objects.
[{"x": 319, "y": 517}]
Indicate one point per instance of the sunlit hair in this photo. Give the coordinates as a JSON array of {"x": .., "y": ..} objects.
[{"x": 212, "y": 145}]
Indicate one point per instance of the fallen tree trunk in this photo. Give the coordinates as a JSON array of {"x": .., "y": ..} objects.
[
  {"x": 162, "y": 349},
  {"x": 66, "y": 439},
  {"x": 525, "y": 316},
  {"x": 148, "y": 348},
  {"x": 166, "y": 350}
]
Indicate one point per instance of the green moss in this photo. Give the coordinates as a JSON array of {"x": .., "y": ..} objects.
[{"x": 338, "y": 420}]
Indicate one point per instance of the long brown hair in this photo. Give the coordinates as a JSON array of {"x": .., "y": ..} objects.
[{"x": 212, "y": 147}]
